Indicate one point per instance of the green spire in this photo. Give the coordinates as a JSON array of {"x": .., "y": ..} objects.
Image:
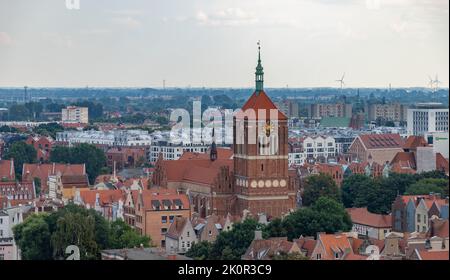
[{"x": 259, "y": 74}]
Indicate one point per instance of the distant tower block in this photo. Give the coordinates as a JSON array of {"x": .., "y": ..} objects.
[{"x": 25, "y": 94}]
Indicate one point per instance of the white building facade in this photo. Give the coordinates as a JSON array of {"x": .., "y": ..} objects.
[{"x": 427, "y": 118}]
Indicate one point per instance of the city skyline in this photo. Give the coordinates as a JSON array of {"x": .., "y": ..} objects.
[{"x": 213, "y": 43}]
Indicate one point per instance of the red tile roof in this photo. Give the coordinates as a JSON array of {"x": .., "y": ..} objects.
[
  {"x": 306, "y": 244},
  {"x": 404, "y": 161},
  {"x": 442, "y": 163},
  {"x": 381, "y": 141},
  {"x": 412, "y": 142},
  {"x": 439, "y": 228},
  {"x": 105, "y": 196},
  {"x": 7, "y": 169},
  {"x": 176, "y": 228},
  {"x": 333, "y": 243},
  {"x": 42, "y": 171},
  {"x": 260, "y": 101},
  {"x": 363, "y": 217},
  {"x": 433, "y": 255}
]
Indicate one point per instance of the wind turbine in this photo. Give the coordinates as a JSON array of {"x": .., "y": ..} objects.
[
  {"x": 437, "y": 82},
  {"x": 431, "y": 83},
  {"x": 341, "y": 81}
]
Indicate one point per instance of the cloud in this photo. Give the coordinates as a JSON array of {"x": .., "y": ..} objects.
[
  {"x": 59, "y": 40},
  {"x": 5, "y": 39},
  {"x": 398, "y": 27},
  {"x": 128, "y": 22},
  {"x": 227, "y": 17}
]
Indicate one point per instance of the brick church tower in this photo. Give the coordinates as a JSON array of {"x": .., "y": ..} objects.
[{"x": 260, "y": 147}]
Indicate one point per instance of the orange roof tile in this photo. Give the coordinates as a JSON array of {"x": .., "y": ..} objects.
[
  {"x": 380, "y": 141},
  {"x": 433, "y": 255},
  {"x": 260, "y": 101},
  {"x": 334, "y": 242},
  {"x": 364, "y": 217},
  {"x": 412, "y": 142},
  {"x": 105, "y": 196}
]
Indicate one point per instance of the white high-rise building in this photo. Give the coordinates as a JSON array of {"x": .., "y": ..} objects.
[{"x": 427, "y": 118}]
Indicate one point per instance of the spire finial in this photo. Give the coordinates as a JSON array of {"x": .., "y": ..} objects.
[{"x": 259, "y": 74}]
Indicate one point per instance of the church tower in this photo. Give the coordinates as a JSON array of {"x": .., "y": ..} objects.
[{"x": 262, "y": 184}]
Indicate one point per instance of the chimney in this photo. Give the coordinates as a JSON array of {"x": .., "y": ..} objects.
[
  {"x": 172, "y": 256},
  {"x": 258, "y": 235}
]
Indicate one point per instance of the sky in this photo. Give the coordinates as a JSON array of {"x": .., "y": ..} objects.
[{"x": 212, "y": 43}]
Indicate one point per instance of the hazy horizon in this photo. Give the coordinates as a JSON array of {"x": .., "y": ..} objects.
[{"x": 212, "y": 43}]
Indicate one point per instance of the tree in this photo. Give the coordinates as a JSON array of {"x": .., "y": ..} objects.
[
  {"x": 5, "y": 128},
  {"x": 19, "y": 112},
  {"x": 358, "y": 190},
  {"x": 93, "y": 157},
  {"x": 429, "y": 185},
  {"x": 231, "y": 245},
  {"x": 200, "y": 251},
  {"x": 320, "y": 185},
  {"x": 22, "y": 153},
  {"x": 123, "y": 236},
  {"x": 325, "y": 215},
  {"x": 49, "y": 129},
  {"x": 33, "y": 238}
]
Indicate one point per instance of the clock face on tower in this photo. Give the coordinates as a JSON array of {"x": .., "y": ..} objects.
[
  {"x": 268, "y": 128},
  {"x": 268, "y": 141}
]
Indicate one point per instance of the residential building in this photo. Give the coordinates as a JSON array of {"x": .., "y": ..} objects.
[
  {"x": 74, "y": 114},
  {"x": 43, "y": 146},
  {"x": 151, "y": 213},
  {"x": 395, "y": 112},
  {"x": 30, "y": 171},
  {"x": 411, "y": 213},
  {"x": 332, "y": 247},
  {"x": 171, "y": 151},
  {"x": 107, "y": 139},
  {"x": 18, "y": 193},
  {"x": 64, "y": 187},
  {"x": 124, "y": 157},
  {"x": 380, "y": 147},
  {"x": 10, "y": 217},
  {"x": 181, "y": 236},
  {"x": 288, "y": 107},
  {"x": 339, "y": 110},
  {"x": 369, "y": 224},
  {"x": 267, "y": 249},
  {"x": 427, "y": 118},
  {"x": 109, "y": 203}
]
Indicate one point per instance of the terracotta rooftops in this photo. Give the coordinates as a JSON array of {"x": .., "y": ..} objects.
[
  {"x": 381, "y": 141},
  {"x": 363, "y": 217},
  {"x": 176, "y": 228},
  {"x": 105, "y": 196},
  {"x": 415, "y": 141},
  {"x": 260, "y": 102},
  {"x": 333, "y": 243},
  {"x": 426, "y": 255}
]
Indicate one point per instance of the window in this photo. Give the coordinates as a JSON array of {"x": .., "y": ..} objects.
[
  {"x": 319, "y": 256},
  {"x": 188, "y": 233},
  {"x": 336, "y": 255},
  {"x": 163, "y": 230},
  {"x": 171, "y": 219},
  {"x": 210, "y": 233},
  {"x": 163, "y": 219},
  {"x": 418, "y": 218}
]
